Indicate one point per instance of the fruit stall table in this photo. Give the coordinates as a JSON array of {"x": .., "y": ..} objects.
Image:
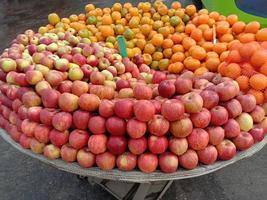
[{"x": 134, "y": 185}]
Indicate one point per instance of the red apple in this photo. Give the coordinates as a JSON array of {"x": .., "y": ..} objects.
[
  {"x": 106, "y": 161},
  {"x": 264, "y": 106},
  {"x": 126, "y": 161},
  {"x": 189, "y": 159},
  {"x": 97, "y": 78},
  {"x": 158, "y": 126},
  {"x": 65, "y": 86},
  {"x": 219, "y": 115},
  {"x": 34, "y": 113},
  {"x": 168, "y": 162},
  {"x": 46, "y": 116},
  {"x": 79, "y": 87},
  {"x": 178, "y": 146},
  {"x": 124, "y": 108},
  {"x": 33, "y": 77},
  {"x": 144, "y": 110},
  {"x": 31, "y": 99},
  {"x": 172, "y": 109},
  {"x": 243, "y": 141},
  {"x": 142, "y": 92},
  {"x": 117, "y": 145},
  {"x": 54, "y": 77},
  {"x": 201, "y": 119},
  {"x": 183, "y": 85},
  {"x": 85, "y": 158},
  {"x": 16, "y": 104},
  {"x": 231, "y": 128},
  {"x": 68, "y": 153},
  {"x": 247, "y": 101},
  {"x": 41, "y": 133},
  {"x": 208, "y": 155},
  {"x": 257, "y": 133},
  {"x": 157, "y": 145},
  {"x": 80, "y": 119},
  {"x": 116, "y": 126},
  {"x": 58, "y": 138},
  {"x": 28, "y": 127},
  {"x": 137, "y": 146},
  {"x": 68, "y": 102},
  {"x": 106, "y": 108},
  {"x": 97, "y": 125},
  {"x": 226, "y": 150},
  {"x": 181, "y": 128},
  {"x": 78, "y": 138},
  {"x": 257, "y": 114},
  {"x": 15, "y": 133},
  {"x": 226, "y": 90},
  {"x": 62, "y": 121},
  {"x": 263, "y": 124},
  {"x": 136, "y": 128},
  {"x": 234, "y": 108},
  {"x": 216, "y": 134},
  {"x": 97, "y": 143},
  {"x": 51, "y": 151},
  {"x": 89, "y": 102},
  {"x": 193, "y": 102},
  {"x": 126, "y": 93},
  {"x": 92, "y": 60},
  {"x": 147, "y": 162},
  {"x": 25, "y": 141},
  {"x": 120, "y": 84},
  {"x": 198, "y": 139},
  {"x": 166, "y": 89},
  {"x": 158, "y": 77},
  {"x": 210, "y": 98}
]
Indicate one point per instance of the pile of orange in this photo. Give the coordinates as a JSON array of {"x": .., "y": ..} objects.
[{"x": 175, "y": 38}]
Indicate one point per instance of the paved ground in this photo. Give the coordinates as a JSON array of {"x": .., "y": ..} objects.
[{"x": 23, "y": 178}]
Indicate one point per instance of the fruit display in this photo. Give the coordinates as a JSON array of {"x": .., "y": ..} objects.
[{"x": 66, "y": 92}]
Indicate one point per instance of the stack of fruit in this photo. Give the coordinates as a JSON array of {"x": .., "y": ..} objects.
[{"x": 63, "y": 96}]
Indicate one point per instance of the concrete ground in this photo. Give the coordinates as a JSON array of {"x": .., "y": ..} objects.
[{"x": 23, "y": 178}]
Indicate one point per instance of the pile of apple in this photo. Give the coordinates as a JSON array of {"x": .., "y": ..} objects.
[{"x": 63, "y": 96}]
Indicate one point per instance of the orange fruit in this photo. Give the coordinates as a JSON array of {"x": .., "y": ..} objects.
[
  {"x": 74, "y": 18},
  {"x": 188, "y": 43},
  {"x": 234, "y": 57},
  {"x": 203, "y": 19},
  {"x": 157, "y": 56},
  {"x": 263, "y": 69},
  {"x": 200, "y": 71},
  {"x": 157, "y": 40},
  {"x": 252, "y": 27},
  {"x": 224, "y": 55},
  {"x": 222, "y": 68},
  {"x": 212, "y": 63},
  {"x": 261, "y": 35},
  {"x": 116, "y": 15},
  {"x": 107, "y": 20},
  {"x": 264, "y": 44},
  {"x": 133, "y": 11},
  {"x": 116, "y": 7},
  {"x": 167, "y": 43},
  {"x": 232, "y": 70},
  {"x": 219, "y": 47},
  {"x": 228, "y": 37},
  {"x": 235, "y": 44},
  {"x": 259, "y": 58},
  {"x": 214, "y": 15},
  {"x": 106, "y": 30},
  {"x": 259, "y": 96},
  {"x": 149, "y": 48},
  {"x": 190, "y": 10},
  {"x": 89, "y": 7},
  {"x": 176, "y": 38},
  {"x": 238, "y": 27},
  {"x": 203, "y": 11},
  {"x": 247, "y": 50},
  {"x": 197, "y": 52},
  {"x": 177, "y": 48},
  {"x": 231, "y": 19},
  {"x": 176, "y": 67},
  {"x": 189, "y": 28},
  {"x": 247, "y": 69},
  {"x": 196, "y": 34},
  {"x": 191, "y": 63},
  {"x": 208, "y": 34},
  {"x": 177, "y": 57},
  {"x": 246, "y": 37},
  {"x": 147, "y": 58},
  {"x": 265, "y": 95},
  {"x": 176, "y": 5},
  {"x": 212, "y": 54},
  {"x": 208, "y": 46},
  {"x": 243, "y": 82},
  {"x": 258, "y": 81},
  {"x": 167, "y": 53}
]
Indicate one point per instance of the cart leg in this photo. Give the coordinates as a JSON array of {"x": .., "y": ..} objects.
[
  {"x": 141, "y": 191},
  {"x": 165, "y": 190}
]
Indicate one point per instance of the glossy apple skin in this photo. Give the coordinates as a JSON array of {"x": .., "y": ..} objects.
[
  {"x": 137, "y": 146},
  {"x": 201, "y": 119},
  {"x": 85, "y": 158},
  {"x": 189, "y": 160},
  {"x": 68, "y": 153},
  {"x": 106, "y": 108},
  {"x": 183, "y": 85},
  {"x": 144, "y": 110},
  {"x": 124, "y": 108},
  {"x": 147, "y": 162},
  {"x": 208, "y": 155},
  {"x": 210, "y": 98},
  {"x": 136, "y": 128},
  {"x": 243, "y": 141},
  {"x": 41, "y": 133},
  {"x": 231, "y": 128},
  {"x": 157, "y": 145},
  {"x": 80, "y": 119},
  {"x": 158, "y": 126},
  {"x": 233, "y": 107},
  {"x": 97, "y": 144},
  {"x": 216, "y": 134},
  {"x": 106, "y": 161},
  {"x": 178, "y": 146},
  {"x": 257, "y": 132},
  {"x": 126, "y": 161},
  {"x": 142, "y": 92},
  {"x": 181, "y": 128},
  {"x": 166, "y": 89},
  {"x": 117, "y": 144},
  {"x": 58, "y": 138},
  {"x": 247, "y": 101},
  {"x": 51, "y": 151},
  {"x": 97, "y": 125},
  {"x": 116, "y": 126},
  {"x": 257, "y": 114},
  {"x": 193, "y": 102},
  {"x": 78, "y": 138},
  {"x": 226, "y": 150},
  {"x": 168, "y": 162},
  {"x": 172, "y": 109},
  {"x": 219, "y": 115},
  {"x": 198, "y": 139}
]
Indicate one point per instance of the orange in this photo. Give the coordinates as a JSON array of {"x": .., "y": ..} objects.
[
  {"x": 222, "y": 68},
  {"x": 231, "y": 19},
  {"x": 165, "y": 31},
  {"x": 157, "y": 40},
  {"x": 212, "y": 54},
  {"x": 252, "y": 27},
  {"x": 203, "y": 19},
  {"x": 188, "y": 42},
  {"x": 232, "y": 70},
  {"x": 177, "y": 57},
  {"x": 149, "y": 48},
  {"x": 238, "y": 27},
  {"x": 200, "y": 71},
  {"x": 263, "y": 69},
  {"x": 212, "y": 63},
  {"x": 265, "y": 95},
  {"x": 235, "y": 44},
  {"x": 234, "y": 57},
  {"x": 178, "y": 48},
  {"x": 106, "y": 30},
  {"x": 196, "y": 34},
  {"x": 176, "y": 38},
  {"x": 147, "y": 58},
  {"x": 140, "y": 43},
  {"x": 145, "y": 29},
  {"x": 259, "y": 58},
  {"x": 258, "y": 81},
  {"x": 197, "y": 52},
  {"x": 106, "y": 20},
  {"x": 74, "y": 18},
  {"x": 261, "y": 35},
  {"x": 214, "y": 15},
  {"x": 246, "y": 37},
  {"x": 224, "y": 55},
  {"x": 77, "y": 26},
  {"x": 247, "y": 69},
  {"x": 133, "y": 11},
  {"x": 106, "y": 11},
  {"x": 248, "y": 49},
  {"x": 116, "y": 15},
  {"x": 190, "y": 10},
  {"x": 116, "y": 7},
  {"x": 89, "y": 7},
  {"x": 157, "y": 56},
  {"x": 208, "y": 34},
  {"x": 219, "y": 47},
  {"x": 167, "y": 43},
  {"x": 167, "y": 53},
  {"x": 264, "y": 44},
  {"x": 191, "y": 63},
  {"x": 176, "y": 5},
  {"x": 162, "y": 10},
  {"x": 203, "y": 27},
  {"x": 208, "y": 46},
  {"x": 222, "y": 28},
  {"x": 176, "y": 67},
  {"x": 243, "y": 82},
  {"x": 228, "y": 37},
  {"x": 259, "y": 96}
]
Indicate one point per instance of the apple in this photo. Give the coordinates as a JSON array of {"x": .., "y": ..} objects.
[
  {"x": 172, "y": 109},
  {"x": 97, "y": 125},
  {"x": 166, "y": 89},
  {"x": 126, "y": 161},
  {"x": 210, "y": 98},
  {"x": 116, "y": 126},
  {"x": 46, "y": 116},
  {"x": 8, "y": 64},
  {"x": 97, "y": 78},
  {"x": 183, "y": 85},
  {"x": 58, "y": 138},
  {"x": 117, "y": 145},
  {"x": 36, "y": 146},
  {"x": 68, "y": 153},
  {"x": 158, "y": 77},
  {"x": 13, "y": 118},
  {"x": 124, "y": 108},
  {"x": 106, "y": 161},
  {"x": 80, "y": 119},
  {"x": 31, "y": 99},
  {"x": 226, "y": 150},
  {"x": 89, "y": 102},
  {"x": 78, "y": 138},
  {"x": 62, "y": 64},
  {"x": 68, "y": 102},
  {"x": 257, "y": 114},
  {"x": 226, "y": 90},
  {"x": 25, "y": 141},
  {"x": 75, "y": 73},
  {"x": 263, "y": 124},
  {"x": 33, "y": 77},
  {"x": 231, "y": 128},
  {"x": 189, "y": 160},
  {"x": 65, "y": 86},
  {"x": 157, "y": 145},
  {"x": 264, "y": 106},
  {"x": 126, "y": 93},
  {"x": 22, "y": 112},
  {"x": 233, "y": 107},
  {"x": 216, "y": 134},
  {"x": 158, "y": 126},
  {"x": 181, "y": 128},
  {"x": 62, "y": 121},
  {"x": 27, "y": 127},
  {"x": 106, "y": 108},
  {"x": 147, "y": 162},
  {"x": 168, "y": 162},
  {"x": 200, "y": 83},
  {"x": 208, "y": 155},
  {"x": 243, "y": 141},
  {"x": 245, "y": 122},
  {"x": 219, "y": 115},
  {"x": 257, "y": 132},
  {"x": 201, "y": 119},
  {"x": 198, "y": 139},
  {"x": 178, "y": 146},
  {"x": 97, "y": 144},
  {"x": 51, "y": 151},
  {"x": 50, "y": 98},
  {"x": 79, "y": 87},
  {"x": 144, "y": 110},
  {"x": 120, "y": 84},
  {"x": 157, "y": 106},
  {"x": 54, "y": 78},
  {"x": 41, "y": 86},
  {"x": 87, "y": 70},
  {"x": 247, "y": 101},
  {"x": 41, "y": 133},
  {"x": 85, "y": 158},
  {"x": 15, "y": 133},
  {"x": 92, "y": 60},
  {"x": 142, "y": 92},
  {"x": 136, "y": 128},
  {"x": 137, "y": 146},
  {"x": 193, "y": 102}
]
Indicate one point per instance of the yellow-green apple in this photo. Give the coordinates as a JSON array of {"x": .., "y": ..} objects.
[
  {"x": 245, "y": 121},
  {"x": 51, "y": 151},
  {"x": 36, "y": 146}
]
